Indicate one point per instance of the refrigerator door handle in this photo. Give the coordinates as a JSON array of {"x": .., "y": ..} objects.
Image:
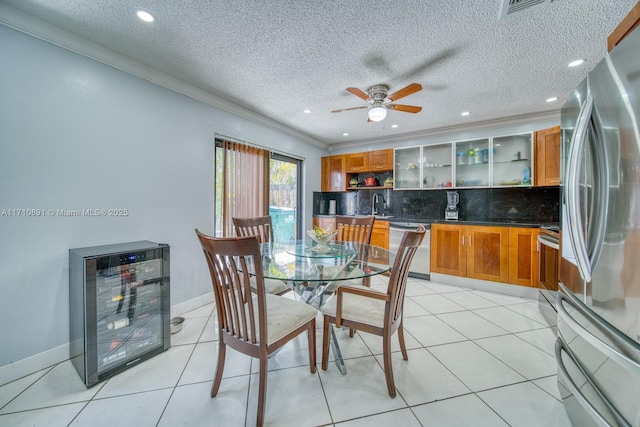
[
  {"x": 627, "y": 354},
  {"x": 601, "y": 190},
  {"x": 575, "y": 230},
  {"x": 567, "y": 381}
]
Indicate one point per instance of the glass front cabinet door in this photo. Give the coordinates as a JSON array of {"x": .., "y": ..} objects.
[
  {"x": 512, "y": 164},
  {"x": 407, "y": 168},
  {"x": 472, "y": 163},
  {"x": 437, "y": 171}
]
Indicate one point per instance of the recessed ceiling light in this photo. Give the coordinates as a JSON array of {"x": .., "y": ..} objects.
[
  {"x": 552, "y": 99},
  {"x": 465, "y": 113},
  {"x": 307, "y": 111},
  {"x": 394, "y": 126},
  {"x": 345, "y": 134},
  {"x": 576, "y": 62},
  {"x": 145, "y": 16}
]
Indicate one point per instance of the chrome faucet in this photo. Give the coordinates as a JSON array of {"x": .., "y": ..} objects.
[{"x": 374, "y": 203}]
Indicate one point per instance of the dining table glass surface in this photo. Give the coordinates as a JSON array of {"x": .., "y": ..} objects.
[
  {"x": 314, "y": 275},
  {"x": 297, "y": 261}
]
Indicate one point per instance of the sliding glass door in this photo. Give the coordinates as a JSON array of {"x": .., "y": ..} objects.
[
  {"x": 250, "y": 181},
  {"x": 285, "y": 197}
]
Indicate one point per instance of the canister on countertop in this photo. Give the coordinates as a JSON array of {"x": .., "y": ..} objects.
[{"x": 332, "y": 207}]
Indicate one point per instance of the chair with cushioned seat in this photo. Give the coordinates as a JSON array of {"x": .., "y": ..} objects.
[
  {"x": 379, "y": 313},
  {"x": 250, "y": 321},
  {"x": 262, "y": 227}
]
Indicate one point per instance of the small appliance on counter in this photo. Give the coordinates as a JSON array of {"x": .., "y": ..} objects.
[{"x": 451, "y": 213}]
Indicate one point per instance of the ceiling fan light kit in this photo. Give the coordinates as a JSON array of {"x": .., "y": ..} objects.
[
  {"x": 377, "y": 113},
  {"x": 379, "y": 100}
]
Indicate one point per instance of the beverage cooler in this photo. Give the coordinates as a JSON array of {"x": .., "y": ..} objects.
[{"x": 119, "y": 307}]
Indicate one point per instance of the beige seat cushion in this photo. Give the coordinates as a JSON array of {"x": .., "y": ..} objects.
[
  {"x": 285, "y": 315},
  {"x": 358, "y": 308},
  {"x": 271, "y": 286}
]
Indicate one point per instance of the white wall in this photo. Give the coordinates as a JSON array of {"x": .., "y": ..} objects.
[{"x": 78, "y": 134}]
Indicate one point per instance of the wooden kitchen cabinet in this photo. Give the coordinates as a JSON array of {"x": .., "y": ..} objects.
[
  {"x": 448, "y": 255},
  {"x": 381, "y": 160},
  {"x": 479, "y": 252},
  {"x": 380, "y": 234},
  {"x": 523, "y": 256},
  {"x": 488, "y": 253},
  {"x": 357, "y": 162},
  {"x": 628, "y": 24},
  {"x": 547, "y": 157},
  {"x": 334, "y": 177}
]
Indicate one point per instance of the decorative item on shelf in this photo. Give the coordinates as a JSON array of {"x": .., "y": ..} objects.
[
  {"x": 470, "y": 155},
  {"x": 353, "y": 182},
  {"x": 322, "y": 237},
  {"x": 388, "y": 182},
  {"x": 371, "y": 180}
]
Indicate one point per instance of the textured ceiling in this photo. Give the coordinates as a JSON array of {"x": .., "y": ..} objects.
[{"x": 279, "y": 57}]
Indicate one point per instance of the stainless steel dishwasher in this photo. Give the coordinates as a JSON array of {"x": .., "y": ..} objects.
[{"x": 421, "y": 264}]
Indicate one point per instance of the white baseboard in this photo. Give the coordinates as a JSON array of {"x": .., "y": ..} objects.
[
  {"x": 30, "y": 365},
  {"x": 485, "y": 285},
  {"x": 192, "y": 304},
  {"x": 22, "y": 368}
]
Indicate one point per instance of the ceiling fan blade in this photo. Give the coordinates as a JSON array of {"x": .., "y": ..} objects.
[
  {"x": 349, "y": 109},
  {"x": 406, "y": 91},
  {"x": 357, "y": 92},
  {"x": 405, "y": 108}
]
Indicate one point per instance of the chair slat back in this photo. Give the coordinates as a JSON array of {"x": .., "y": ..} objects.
[
  {"x": 241, "y": 313},
  {"x": 354, "y": 229},
  {"x": 409, "y": 244},
  {"x": 260, "y": 226}
]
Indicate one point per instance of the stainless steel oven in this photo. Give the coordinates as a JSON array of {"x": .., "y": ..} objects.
[{"x": 548, "y": 263}]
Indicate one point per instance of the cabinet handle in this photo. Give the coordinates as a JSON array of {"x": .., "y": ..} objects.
[
  {"x": 463, "y": 240},
  {"x": 469, "y": 240},
  {"x": 378, "y": 167}
]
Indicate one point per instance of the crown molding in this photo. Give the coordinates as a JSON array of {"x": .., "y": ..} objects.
[
  {"x": 455, "y": 129},
  {"x": 35, "y": 27}
]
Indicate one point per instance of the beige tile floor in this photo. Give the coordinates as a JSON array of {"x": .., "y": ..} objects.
[{"x": 475, "y": 359}]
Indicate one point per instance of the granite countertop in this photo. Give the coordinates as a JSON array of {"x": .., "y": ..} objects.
[{"x": 497, "y": 223}]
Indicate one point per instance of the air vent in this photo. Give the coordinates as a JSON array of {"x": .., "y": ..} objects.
[{"x": 509, "y": 7}]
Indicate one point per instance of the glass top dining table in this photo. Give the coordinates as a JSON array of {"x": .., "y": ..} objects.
[{"x": 314, "y": 275}]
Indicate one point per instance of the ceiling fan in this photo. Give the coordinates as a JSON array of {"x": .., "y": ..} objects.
[{"x": 379, "y": 100}]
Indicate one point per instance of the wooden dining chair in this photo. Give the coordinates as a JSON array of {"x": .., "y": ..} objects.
[
  {"x": 255, "y": 323},
  {"x": 372, "y": 311},
  {"x": 355, "y": 229},
  {"x": 262, "y": 227}
]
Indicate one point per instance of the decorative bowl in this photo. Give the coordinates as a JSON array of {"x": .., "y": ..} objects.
[{"x": 322, "y": 237}]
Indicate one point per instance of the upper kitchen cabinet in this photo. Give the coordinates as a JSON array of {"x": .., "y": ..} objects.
[
  {"x": 369, "y": 161},
  {"x": 512, "y": 159},
  {"x": 357, "y": 162},
  {"x": 547, "y": 157},
  {"x": 628, "y": 24},
  {"x": 334, "y": 177},
  {"x": 407, "y": 168},
  {"x": 381, "y": 160},
  {"x": 472, "y": 163},
  {"x": 437, "y": 171}
]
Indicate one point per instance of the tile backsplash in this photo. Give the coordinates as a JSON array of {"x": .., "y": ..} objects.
[{"x": 524, "y": 204}]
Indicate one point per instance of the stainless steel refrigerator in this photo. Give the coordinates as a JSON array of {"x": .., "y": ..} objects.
[{"x": 598, "y": 345}]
